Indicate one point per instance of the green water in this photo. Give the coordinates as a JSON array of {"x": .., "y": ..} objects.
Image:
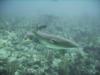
[{"x": 21, "y": 51}]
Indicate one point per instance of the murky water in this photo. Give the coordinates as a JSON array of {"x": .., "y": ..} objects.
[{"x": 49, "y": 37}]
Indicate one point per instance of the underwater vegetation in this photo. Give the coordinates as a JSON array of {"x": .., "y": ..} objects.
[{"x": 23, "y": 52}]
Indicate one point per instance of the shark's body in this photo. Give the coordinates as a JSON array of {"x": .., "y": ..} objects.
[{"x": 53, "y": 41}]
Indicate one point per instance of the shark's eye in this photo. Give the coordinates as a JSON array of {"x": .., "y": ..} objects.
[{"x": 53, "y": 41}]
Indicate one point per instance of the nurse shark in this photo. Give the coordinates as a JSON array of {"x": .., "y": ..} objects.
[{"x": 52, "y": 41}]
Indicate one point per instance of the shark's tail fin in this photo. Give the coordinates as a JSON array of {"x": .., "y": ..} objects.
[
  {"x": 39, "y": 27},
  {"x": 32, "y": 34},
  {"x": 36, "y": 29}
]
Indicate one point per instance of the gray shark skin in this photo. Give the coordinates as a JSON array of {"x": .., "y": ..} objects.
[{"x": 55, "y": 41}]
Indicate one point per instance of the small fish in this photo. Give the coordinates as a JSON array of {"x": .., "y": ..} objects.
[{"x": 53, "y": 41}]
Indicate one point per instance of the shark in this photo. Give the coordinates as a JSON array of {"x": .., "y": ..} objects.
[{"x": 53, "y": 41}]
